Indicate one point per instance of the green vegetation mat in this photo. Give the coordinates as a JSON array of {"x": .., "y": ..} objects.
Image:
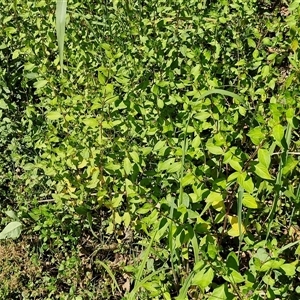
[{"x": 149, "y": 149}]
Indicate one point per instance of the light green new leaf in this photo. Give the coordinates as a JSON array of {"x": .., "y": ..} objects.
[
  {"x": 214, "y": 197},
  {"x": 245, "y": 182},
  {"x": 91, "y": 122},
  {"x": 289, "y": 269},
  {"x": 264, "y": 157},
  {"x": 262, "y": 172},
  {"x": 61, "y": 10},
  {"x": 256, "y": 135},
  {"x": 54, "y": 115},
  {"x": 249, "y": 201},
  {"x": 40, "y": 84},
  {"x": 127, "y": 165},
  {"x": 203, "y": 278},
  {"x": 278, "y": 133}
]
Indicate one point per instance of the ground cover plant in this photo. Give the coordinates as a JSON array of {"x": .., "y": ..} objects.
[{"x": 149, "y": 149}]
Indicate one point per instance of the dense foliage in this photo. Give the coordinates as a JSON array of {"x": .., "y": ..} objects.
[{"x": 163, "y": 163}]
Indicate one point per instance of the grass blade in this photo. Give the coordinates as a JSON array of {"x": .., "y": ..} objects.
[
  {"x": 61, "y": 10},
  {"x": 239, "y": 212},
  {"x": 278, "y": 183},
  {"x": 110, "y": 273}
]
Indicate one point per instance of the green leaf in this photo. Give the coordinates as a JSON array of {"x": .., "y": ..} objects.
[
  {"x": 235, "y": 165},
  {"x": 213, "y": 148},
  {"x": 54, "y": 115},
  {"x": 160, "y": 103},
  {"x": 249, "y": 201},
  {"x": 91, "y": 122},
  {"x": 135, "y": 156},
  {"x": 175, "y": 167},
  {"x": 3, "y": 105},
  {"x": 203, "y": 278},
  {"x": 256, "y": 135},
  {"x": 234, "y": 277},
  {"x": 294, "y": 5},
  {"x": 245, "y": 181},
  {"x": 40, "y": 84},
  {"x": 290, "y": 165},
  {"x": 126, "y": 219},
  {"x": 251, "y": 43},
  {"x": 159, "y": 145},
  {"x": 264, "y": 157},
  {"x": 196, "y": 142},
  {"x": 202, "y": 116},
  {"x": 188, "y": 179},
  {"x": 289, "y": 269},
  {"x": 262, "y": 171},
  {"x": 162, "y": 166},
  {"x": 127, "y": 165},
  {"x": 214, "y": 197},
  {"x": 221, "y": 293},
  {"x": 12, "y": 230},
  {"x": 278, "y": 133},
  {"x": 265, "y": 71}
]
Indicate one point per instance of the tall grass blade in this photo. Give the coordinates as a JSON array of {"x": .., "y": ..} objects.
[
  {"x": 278, "y": 184},
  {"x": 138, "y": 281},
  {"x": 110, "y": 273},
  {"x": 61, "y": 10},
  {"x": 239, "y": 212}
]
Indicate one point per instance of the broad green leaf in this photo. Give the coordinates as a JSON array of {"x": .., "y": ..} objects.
[
  {"x": 112, "y": 166},
  {"x": 221, "y": 293},
  {"x": 278, "y": 133},
  {"x": 290, "y": 165},
  {"x": 251, "y": 43},
  {"x": 256, "y": 135},
  {"x": 234, "y": 277},
  {"x": 40, "y": 84},
  {"x": 159, "y": 145},
  {"x": 135, "y": 157},
  {"x": 202, "y": 116},
  {"x": 160, "y": 103},
  {"x": 294, "y": 45},
  {"x": 162, "y": 166},
  {"x": 12, "y": 215},
  {"x": 289, "y": 269},
  {"x": 264, "y": 157},
  {"x": 234, "y": 231},
  {"x": 233, "y": 176},
  {"x": 127, "y": 165},
  {"x": 196, "y": 142},
  {"x": 188, "y": 179},
  {"x": 249, "y": 201},
  {"x": 116, "y": 201},
  {"x": 214, "y": 197},
  {"x": 294, "y": 5},
  {"x": 12, "y": 230},
  {"x": 175, "y": 167},
  {"x": 245, "y": 182},
  {"x": 3, "y": 105},
  {"x": 235, "y": 165},
  {"x": 213, "y": 148},
  {"x": 265, "y": 71},
  {"x": 54, "y": 115},
  {"x": 262, "y": 171},
  {"x": 203, "y": 278},
  {"x": 271, "y": 265},
  {"x": 91, "y": 122},
  {"x": 95, "y": 179}
]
